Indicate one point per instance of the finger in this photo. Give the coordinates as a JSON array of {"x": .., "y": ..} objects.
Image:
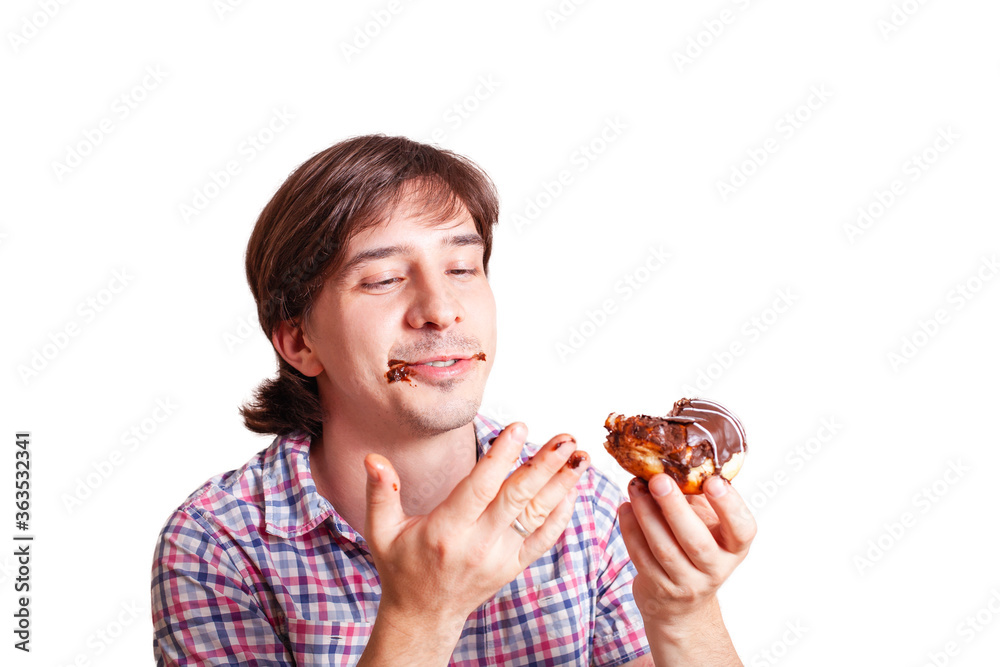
[
  {"x": 690, "y": 532},
  {"x": 472, "y": 495},
  {"x": 384, "y": 511},
  {"x": 663, "y": 545},
  {"x": 539, "y": 509},
  {"x": 737, "y": 527},
  {"x": 525, "y": 483},
  {"x": 557, "y": 488},
  {"x": 704, "y": 510},
  {"x": 635, "y": 543},
  {"x": 545, "y": 536}
]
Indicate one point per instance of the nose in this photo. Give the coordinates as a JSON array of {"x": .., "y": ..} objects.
[{"x": 435, "y": 304}]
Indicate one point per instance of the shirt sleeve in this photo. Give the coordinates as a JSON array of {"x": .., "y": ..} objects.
[
  {"x": 203, "y": 611},
  {"x": 619, "y": 636}
]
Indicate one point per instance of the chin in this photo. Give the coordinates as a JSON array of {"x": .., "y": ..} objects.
[{"x": 440, "y": 418}]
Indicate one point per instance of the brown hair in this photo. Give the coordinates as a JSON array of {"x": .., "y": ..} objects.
[{"x": 300, "y": 238}]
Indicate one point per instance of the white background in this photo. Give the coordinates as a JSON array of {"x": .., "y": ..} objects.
[{"x": 849, "y": 552}]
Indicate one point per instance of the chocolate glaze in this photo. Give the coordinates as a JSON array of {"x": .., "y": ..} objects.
[
  {"x": 694, "y": 431},
  {"x": 716, "y": 429},
  {"x": 400, "y": 370}
]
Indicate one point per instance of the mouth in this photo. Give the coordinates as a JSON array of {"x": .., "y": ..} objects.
[{"x": 439, "y": 367}]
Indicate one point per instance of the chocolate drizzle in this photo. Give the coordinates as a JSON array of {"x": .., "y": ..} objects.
[{"x": 718, "y": 427}]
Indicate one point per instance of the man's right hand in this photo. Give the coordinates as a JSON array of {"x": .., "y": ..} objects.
[{"x": 437, "y": 568}]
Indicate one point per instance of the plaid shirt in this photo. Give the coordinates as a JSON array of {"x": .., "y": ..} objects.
[{"x": 256, "y": 568}]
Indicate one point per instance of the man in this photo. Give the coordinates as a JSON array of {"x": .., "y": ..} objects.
[{"x": 390, "y": 524}]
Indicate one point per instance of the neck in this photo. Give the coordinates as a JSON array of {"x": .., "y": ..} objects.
[{"x": 429, "y": 467}]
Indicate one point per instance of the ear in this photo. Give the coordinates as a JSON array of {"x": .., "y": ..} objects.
[{"x": 294, "y": 347}]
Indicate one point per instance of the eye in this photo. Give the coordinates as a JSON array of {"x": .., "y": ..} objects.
[
  {"x": 380, "y": 285},
  {"x": 464, "y": 272}
]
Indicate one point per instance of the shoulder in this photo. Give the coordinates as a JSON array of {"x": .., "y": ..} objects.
[{"x": 233, "y": 500}]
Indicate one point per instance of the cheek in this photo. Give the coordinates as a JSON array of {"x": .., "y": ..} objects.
[
  {"x": 486, "y": 317},
  {"x": 489, "y": 335},
  {"x": 359, "y": 343}
]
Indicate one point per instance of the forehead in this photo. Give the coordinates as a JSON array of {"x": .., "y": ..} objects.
[{"x": 414, "y": 221}]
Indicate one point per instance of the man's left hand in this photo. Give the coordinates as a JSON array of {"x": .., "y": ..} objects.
[{"x": 683, "y": 548}]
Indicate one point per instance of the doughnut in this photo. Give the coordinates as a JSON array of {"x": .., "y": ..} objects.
[{"x": 698, "y": 439}]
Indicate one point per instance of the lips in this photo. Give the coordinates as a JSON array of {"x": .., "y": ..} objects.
[
  {"x": 446, "y": 359},
  {"x": 441, "y": 366}
]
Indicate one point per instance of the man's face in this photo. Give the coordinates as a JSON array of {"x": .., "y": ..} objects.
[{"x": 411, "y": 291}]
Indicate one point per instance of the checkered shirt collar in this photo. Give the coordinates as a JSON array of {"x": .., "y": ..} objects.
[{"x": 293, "y": 507}]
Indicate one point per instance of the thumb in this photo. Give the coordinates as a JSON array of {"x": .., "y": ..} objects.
[{"x": 384, "y": 509}]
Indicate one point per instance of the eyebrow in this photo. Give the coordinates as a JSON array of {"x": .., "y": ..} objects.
[{"x": 373, "y": 254}]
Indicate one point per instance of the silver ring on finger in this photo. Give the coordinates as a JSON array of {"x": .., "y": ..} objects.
[{"x": 519, "y": 528}]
